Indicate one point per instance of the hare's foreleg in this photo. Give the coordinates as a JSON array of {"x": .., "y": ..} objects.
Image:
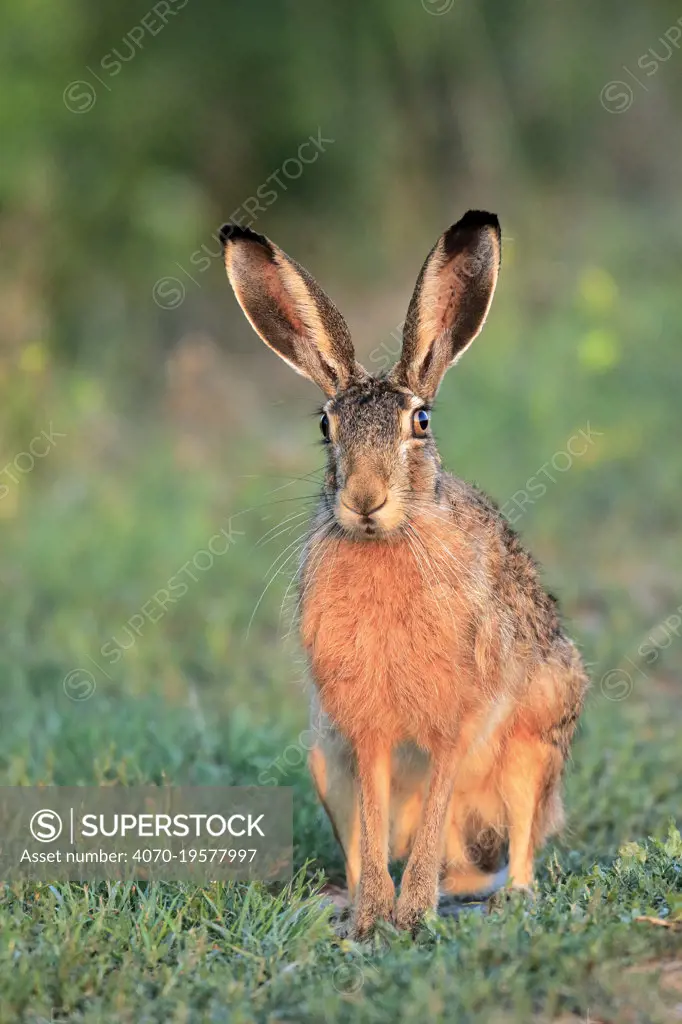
[
  {"x": 376, "y": 892},
  {"x": 419, "y": 887}
]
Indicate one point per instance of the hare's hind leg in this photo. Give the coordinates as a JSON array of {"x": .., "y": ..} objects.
[
  {"x": 332, "y": 770},
  {"x": 463, "y": 874},
  {"x": 474, "y": 850},
  {"x": 536, "y": 750},
  {"x": 471, "y": 882},
  {"x": 530, "y": 784}
]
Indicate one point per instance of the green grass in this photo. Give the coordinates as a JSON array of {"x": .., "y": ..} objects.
[
  {"x": 212, "y": 694},
  {"x": 173, "y": 952}
]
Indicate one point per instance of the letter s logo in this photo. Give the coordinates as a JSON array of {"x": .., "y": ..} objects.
[{"x": 46, "y": 826}]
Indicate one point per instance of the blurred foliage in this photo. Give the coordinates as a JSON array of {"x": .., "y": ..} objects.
[{"x": 131, "y": 132}]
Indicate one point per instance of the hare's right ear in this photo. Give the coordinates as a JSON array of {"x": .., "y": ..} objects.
[
  {"x": 289, "y": 310},
  {"x": 450, "y": 302}
]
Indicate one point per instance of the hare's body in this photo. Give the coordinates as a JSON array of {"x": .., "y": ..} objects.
[
  {"x": 445, "y": 692},
  {"x": 443, "y": 638}
]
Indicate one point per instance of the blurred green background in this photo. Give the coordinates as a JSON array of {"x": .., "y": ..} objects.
[
  {"x": 129, "y": 134},
  {"x": 353, "y": 137},
  {"x": 140, "y": 415}
]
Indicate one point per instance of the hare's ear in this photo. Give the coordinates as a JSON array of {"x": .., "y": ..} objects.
[
  {"x": 289, "y": 310},
  {"x": 450, "y": 302}
]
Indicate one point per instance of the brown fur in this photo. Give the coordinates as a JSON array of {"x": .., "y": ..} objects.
[
  {"x": 446, "y": 692},
  {"x": 426, "y": 647}
]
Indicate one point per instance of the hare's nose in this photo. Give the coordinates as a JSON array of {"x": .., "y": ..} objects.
[{"x": 365, "y": 505}]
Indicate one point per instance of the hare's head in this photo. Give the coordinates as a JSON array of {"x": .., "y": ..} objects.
[{"x": 382, "y": 462}]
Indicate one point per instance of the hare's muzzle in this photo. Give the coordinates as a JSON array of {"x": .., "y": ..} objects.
[{"x": 366, "y": 511}]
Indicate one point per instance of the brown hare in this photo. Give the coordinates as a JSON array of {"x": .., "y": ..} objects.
[{"x": 445, "y": 691}]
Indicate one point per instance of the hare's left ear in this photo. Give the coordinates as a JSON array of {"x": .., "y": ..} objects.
[
  {"x": 289, "y": 310},
  {"x": 450, "y": 302}
]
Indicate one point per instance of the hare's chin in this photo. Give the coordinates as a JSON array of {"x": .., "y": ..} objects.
[
  {"x": 368, "y": 531},
  {"x": 363, "y": 532}
]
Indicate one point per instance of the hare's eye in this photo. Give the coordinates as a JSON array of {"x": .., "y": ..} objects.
[
  {"x": 420, "y": 422},
  {"x": 324, "y": 426}
]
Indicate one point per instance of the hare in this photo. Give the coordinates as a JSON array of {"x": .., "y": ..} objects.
[{"x": 446, "y": 692}]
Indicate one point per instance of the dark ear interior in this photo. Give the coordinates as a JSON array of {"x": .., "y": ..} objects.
[
  {"x": 450, "y": 302},
  {"x": 288, "y": 309}
]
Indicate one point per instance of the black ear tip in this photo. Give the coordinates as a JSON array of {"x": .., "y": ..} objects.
[
  {"x": 468, "y": 230},
  {"x": 476, "y": 219},
  {"x": 235, "y": 233}
]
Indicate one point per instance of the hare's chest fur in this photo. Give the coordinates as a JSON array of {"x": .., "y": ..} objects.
[{"x": 389, "y": 634}]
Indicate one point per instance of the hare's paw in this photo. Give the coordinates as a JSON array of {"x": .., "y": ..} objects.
[
  {"x": 418, "y": 894},
  {"x": 375, "y": 901}
]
